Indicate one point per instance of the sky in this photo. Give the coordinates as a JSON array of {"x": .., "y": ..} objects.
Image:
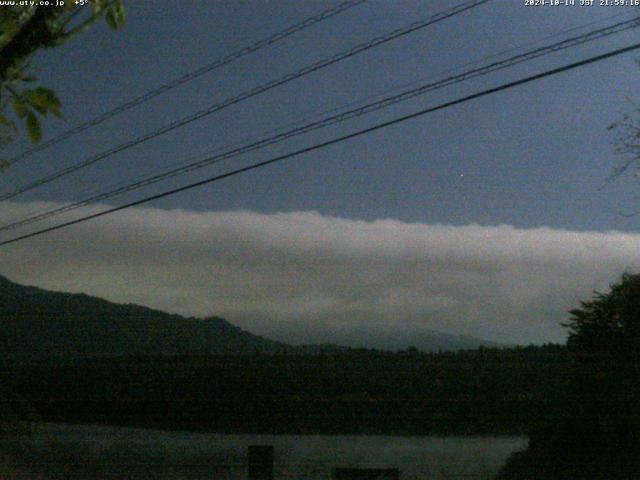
[{"x": 492, "y": 218}]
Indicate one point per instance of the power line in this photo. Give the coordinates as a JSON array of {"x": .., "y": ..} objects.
[
  {"x": 333, "y": 141},
  {"x": 307, "y": 22},
  {"x": 338, "y": 118},
  {"x": 251, "y": 93}
]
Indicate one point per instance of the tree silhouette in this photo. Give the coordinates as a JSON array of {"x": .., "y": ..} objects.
[
  {"x": 609, "y": 323},
  {"x": 597, "y": 430},
  {"x": 24, "y": 30}
]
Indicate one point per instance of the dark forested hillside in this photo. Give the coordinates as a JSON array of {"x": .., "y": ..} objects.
[
  {"x": 34, "y": 321},
  {"x": 39, "y": 322},
  {"x": 356, "y": 391}
]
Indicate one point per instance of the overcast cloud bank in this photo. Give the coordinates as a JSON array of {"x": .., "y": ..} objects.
[{"x": 305, "y": 277}]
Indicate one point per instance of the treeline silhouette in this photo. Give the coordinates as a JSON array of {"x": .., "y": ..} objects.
[{"x": 482, "y": 391}]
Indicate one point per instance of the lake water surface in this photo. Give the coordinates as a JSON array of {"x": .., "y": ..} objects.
[{"x": 81, "y": 451}]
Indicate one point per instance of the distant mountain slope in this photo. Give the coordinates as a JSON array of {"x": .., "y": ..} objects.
[
  {"x": 40, "y": 322},
  {"x": 36, "y": 321}
]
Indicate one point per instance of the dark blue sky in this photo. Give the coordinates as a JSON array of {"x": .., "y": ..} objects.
[{"x": 533, "y": 156}]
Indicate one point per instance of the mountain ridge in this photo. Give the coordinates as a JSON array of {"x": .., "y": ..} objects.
[{"x": 35, "y": 321}]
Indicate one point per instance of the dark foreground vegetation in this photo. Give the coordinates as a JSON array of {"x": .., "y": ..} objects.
[
  {"x": 596, "y": 434},
  {"x": 485, "y": 391}
]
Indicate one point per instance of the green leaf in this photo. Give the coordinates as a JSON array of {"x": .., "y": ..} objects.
[
  {"x": 36, "y": 97},
  {"x": 4, "y": 164},
  {"x": 19, "y": 106},
  {"x": 110, "y": 17},
  {"x": 119, "y": 13},
  {"x": 55, "y": 25},
  {"x": 43, "y": 100},
  {"x": 97, "y": 6},
  {"x": 36, "y": 101},
  {"x": 51, "y": 96},
  {"x": 55, "y": 111},
  {"x": 8, "y": 27},
  {"x": 6, "y": 124},
  {"x": 33, "y": 127},
  {"x": 115, "y": 15}
]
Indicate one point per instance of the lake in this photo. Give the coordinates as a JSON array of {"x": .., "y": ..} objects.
[{"x": 85, "y": 451}]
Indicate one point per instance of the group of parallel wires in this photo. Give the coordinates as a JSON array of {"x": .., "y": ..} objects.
[{"x": 490, "y": 64}]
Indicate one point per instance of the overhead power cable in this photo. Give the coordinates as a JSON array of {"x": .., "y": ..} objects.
[
  {"x": 318, "y": 146},
  {"x": 337, "y": 118},
  {"x": 249, "y": 94},
  {"x": 128, "y": 105}
]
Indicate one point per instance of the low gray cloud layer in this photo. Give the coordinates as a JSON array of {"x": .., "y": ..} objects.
[{"x": 305, "y": 277}]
